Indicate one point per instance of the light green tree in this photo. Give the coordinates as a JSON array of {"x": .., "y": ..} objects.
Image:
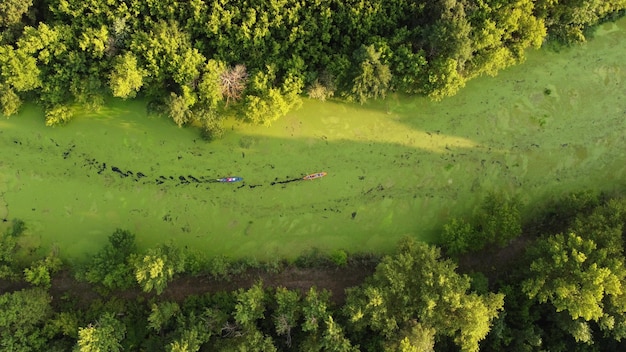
[
  {"x": 575, "y": 276},
  {"x": 210, "y": 85},
  {"x": 333, "y": 338},
  {"x": 103, "y": 336},
  {"x": 18, "y": 69},
  {"x": 157, "y": 267},
  {"x": 40, "y": 271},
  {"x": 414, "y": 338},
  {"x": 126, "y": 78},
  {"x": 11, "y": 11},
  {"x": 95, "y": 41},
  {"x": 252, "y": 340},
  {"x": 417, "y": 285},
  {"x": 180, "y": 106},
  {"x": 251, "y": 305},
  {"x": 189, "y": 341},
  {"x": 10, "y": 102}
]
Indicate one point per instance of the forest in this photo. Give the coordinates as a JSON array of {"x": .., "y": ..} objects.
[
  {"x": 202, "y": 61},
  {"x": 552, "y": 280}
]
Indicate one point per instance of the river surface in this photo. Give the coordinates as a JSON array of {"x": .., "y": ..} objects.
[{"x": 397, "y": 167}]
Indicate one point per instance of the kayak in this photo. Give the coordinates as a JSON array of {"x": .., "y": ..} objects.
[
  {"x": 314, "y": 176},
  {"x": 230, "y": 179}
]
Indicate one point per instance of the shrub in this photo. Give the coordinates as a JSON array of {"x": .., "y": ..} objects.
[
  {"x": 339, "y": 257},
  {"x": 499, "y": 220},
  {"x": 458, "y": 237},
  {"x": 111, "y": 266},
  {"x": 58, "y": 115}
]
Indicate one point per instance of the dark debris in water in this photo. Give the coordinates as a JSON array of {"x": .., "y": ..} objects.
[{"x": 101, "y": 168}]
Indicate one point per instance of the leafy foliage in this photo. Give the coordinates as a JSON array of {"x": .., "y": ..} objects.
[
  {"x": 22, "y": 317},
  {"x": 206, "y": 55},
  {"x": 158, "y": 266},
  {"x": 566, "y": 294},
  {"x": 111, "y": 266},
  {"x": 126, "y": 77},
  {"x": 11, "y": 252},
  {"x": 8, "y": 246},
  {"x": 40, "y": 272},
  {"x": 373, "y": 77},
  {"x": 161, "y": 314},
  {"x": 104, "y": 335},
  {"x": 251, "y": 305},
  {"x": 10, "y": 102},
  {"x": 498, "y": 221},
  {"x": 417, "y": 285},
  {"x": 287, "y": 312},
  {"x": 582, "y": 273},
  {"x": 11, "y": 11}
]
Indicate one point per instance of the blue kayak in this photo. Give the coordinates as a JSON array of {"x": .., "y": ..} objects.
[{"x": 230, "y": 179}]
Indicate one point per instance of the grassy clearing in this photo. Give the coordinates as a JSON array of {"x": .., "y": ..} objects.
[{"x": 397, "y": 167}]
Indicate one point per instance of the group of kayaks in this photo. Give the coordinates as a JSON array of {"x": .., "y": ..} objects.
[{"x": 237, "y": 178}]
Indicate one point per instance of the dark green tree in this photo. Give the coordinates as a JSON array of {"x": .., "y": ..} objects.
[
  {"x": 23, "y": 315},
  {"x": 287, "y": 312},
  {"x": 499, "y": 220},
  {"x": 112, "y": 266},
  {"x": 373, "y": 76}
]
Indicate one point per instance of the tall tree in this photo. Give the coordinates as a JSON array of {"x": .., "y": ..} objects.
[
  {"x": 105, "y": 335},
  {"x": 251, "y": 305},
  {"x": 373, "y": 76},
  {"x": 18, "y": 69},
  {"x": 11, "y": 11},
  {"x": 582, "y": 273},
  {"x": 417, "y": 285},
  {"x": 126, "y": 78},
  {"x": 287, "y": 312},
  {"x": 157, "y": 267},
  {"x": 112, "y": 265},
  {"x": 22, "y": 318},
  {"x": 10, "y": 102}
]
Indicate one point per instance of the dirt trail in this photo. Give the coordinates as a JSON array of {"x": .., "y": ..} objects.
[{"x": 335, "y": 280}]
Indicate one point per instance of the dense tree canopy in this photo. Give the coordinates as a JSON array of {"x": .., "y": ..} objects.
[
  {"x": 582, "y": 273},
  {"x": 416, "y": 292},
  {"x": 22, "y": 317},
  {"x": 205, "y": 59}
]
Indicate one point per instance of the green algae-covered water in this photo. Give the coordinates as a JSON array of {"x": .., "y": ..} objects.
[{"x": 397, "y": 167}]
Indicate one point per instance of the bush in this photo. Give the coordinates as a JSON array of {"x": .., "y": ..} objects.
[
  {"x": 458, "y": 237},
  {"x": 219, "y": 267},
  {"x": 111, "y": 266},
  {"x": 39, "y": 273},
  {"x": 499, "y": 220},
  {"x": 58, "y": 115},
  {"x": 339, "y": 257},
  {"x": 314, "y": 258}
]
